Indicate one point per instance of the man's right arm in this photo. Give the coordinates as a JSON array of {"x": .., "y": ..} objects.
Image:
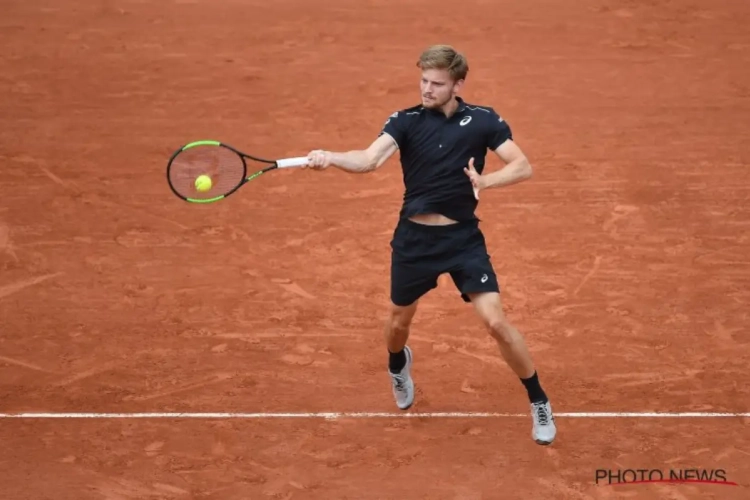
[
  {"x": 356, "y": 161},
  {"x": 365, "y": 160}
]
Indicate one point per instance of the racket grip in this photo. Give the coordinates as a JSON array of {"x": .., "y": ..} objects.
[{"x": 292, "y": 162}]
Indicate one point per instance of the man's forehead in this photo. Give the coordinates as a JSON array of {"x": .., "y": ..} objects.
[{"x": 436, "y": 76}]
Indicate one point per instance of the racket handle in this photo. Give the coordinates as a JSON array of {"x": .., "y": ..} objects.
[{"x": 292, "y": 162}]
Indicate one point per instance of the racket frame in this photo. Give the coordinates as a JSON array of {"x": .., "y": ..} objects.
[{"x": 272, "y": 165}]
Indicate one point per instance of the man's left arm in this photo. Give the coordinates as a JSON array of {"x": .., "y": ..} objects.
[
  {"x": 517, "y": 167},
  {"x": 499, "y": 139}
]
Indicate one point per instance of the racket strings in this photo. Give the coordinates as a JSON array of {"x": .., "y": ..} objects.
[{"x": 224, "y": 168}]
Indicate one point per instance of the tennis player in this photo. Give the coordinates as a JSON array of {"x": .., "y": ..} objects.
[{"x": 443, "y": 142}]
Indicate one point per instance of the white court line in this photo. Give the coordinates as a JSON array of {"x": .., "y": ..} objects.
[{"x": 365, "y": 415}]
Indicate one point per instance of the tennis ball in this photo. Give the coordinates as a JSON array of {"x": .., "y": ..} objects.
[{"x": 203, "y": 183}]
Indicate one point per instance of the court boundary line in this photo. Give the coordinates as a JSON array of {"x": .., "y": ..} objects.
[{"x": 355, "y": 415}]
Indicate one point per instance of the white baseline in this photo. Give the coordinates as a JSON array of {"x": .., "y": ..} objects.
[{"x": 362, "y": 415}]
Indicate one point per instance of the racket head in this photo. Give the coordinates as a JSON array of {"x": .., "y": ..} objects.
[{"x": 224, "y": 165}]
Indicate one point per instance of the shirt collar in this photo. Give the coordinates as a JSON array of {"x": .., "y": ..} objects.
[
  {"x": 460, "y": 109},
  {"x": 461, "y": 105}
]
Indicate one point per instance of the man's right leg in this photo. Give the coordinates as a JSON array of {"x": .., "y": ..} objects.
[
  {"x": 409, "y": 283},
  {"x": 397, "y": 328},
  {"x": 413, "y": 274},
  {"x": 399, "y": 355}
]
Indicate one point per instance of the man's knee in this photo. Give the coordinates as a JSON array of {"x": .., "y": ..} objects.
[
  {"x": 501, "y": 330},
  {"x": 400, "y": 317},
  {"x": 490, "y": 309}
]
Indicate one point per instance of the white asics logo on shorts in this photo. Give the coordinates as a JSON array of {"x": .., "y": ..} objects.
[{"x": 484, "y": 278}]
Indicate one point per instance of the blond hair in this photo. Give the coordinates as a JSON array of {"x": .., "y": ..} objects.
[{"x": 444, "y": 57}]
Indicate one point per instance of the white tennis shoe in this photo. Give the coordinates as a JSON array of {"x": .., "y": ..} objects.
[
  {"x": 403, "y": 385},
  {"x": 544, "y": 429}
]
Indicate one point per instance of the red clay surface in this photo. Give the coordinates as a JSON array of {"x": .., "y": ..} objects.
[{"x": 624, "y": 260}]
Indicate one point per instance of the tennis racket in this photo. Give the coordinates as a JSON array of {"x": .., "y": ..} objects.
[{"x": 209, "y": 171}]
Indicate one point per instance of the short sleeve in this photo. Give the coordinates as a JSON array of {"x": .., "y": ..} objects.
[
  {"x": 498, "y": 131},
  {"x": 395, "y": 126}
]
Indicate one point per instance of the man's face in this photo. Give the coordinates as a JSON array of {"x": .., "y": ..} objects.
[{"x": 437, "y": 88}]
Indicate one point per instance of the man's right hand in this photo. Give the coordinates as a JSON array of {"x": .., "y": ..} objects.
[{"x": 318, "y": 159}]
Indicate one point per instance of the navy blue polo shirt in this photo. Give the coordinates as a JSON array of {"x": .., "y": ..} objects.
[{"x": 435, "y": 150}]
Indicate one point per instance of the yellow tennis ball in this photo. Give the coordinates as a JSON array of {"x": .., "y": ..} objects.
[{"x": 203, "y": 183}]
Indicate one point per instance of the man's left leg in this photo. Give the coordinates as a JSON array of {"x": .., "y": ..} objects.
[
  {"x": 475, "y": 278},
  {"x": 513, "y": 348}
]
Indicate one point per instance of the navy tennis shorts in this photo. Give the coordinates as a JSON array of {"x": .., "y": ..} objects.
[{"x": 421, "y": 253}]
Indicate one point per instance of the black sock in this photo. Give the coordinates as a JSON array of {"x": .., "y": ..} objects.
[
  {"x": 536, "y": 393},
  {"x": 396, "y": 361}
]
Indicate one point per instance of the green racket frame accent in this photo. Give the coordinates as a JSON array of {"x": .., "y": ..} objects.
[{"x": 200, "y": 143}]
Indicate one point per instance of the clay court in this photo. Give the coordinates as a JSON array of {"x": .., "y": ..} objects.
[{"x": 625, "y": 260}]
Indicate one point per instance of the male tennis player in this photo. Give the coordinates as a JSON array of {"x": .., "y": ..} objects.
[{"x": 443, "y": 142}]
